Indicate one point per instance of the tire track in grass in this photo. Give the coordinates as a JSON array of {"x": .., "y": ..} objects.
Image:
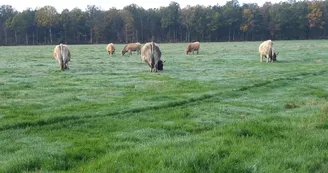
[{"x": 43, "y": 122}]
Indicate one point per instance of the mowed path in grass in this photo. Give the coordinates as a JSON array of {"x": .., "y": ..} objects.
[{"x": 221, "y": 110}]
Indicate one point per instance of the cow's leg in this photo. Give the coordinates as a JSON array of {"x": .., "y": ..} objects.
[
  {"x": 267, "y": 56},
  {"x": 156, "y": 66},
  {"x": 66, "y": 64},
  {"x": 152, "y": 64},
  {"x": 148, "y": 65},
  {"x": 62, "y": 66},
  {"x": 261, "y": 58},
  {"x": 197, "y": 52},
  {"x": 61, "y": 63}
]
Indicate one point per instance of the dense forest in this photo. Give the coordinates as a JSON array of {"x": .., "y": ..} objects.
[{"x": 230, "y": 22}]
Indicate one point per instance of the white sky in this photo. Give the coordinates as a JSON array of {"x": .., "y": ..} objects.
[{"x": 21, "y": 5}]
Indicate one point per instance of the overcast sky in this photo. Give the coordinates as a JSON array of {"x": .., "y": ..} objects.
[{"x": 21, "y": 5}]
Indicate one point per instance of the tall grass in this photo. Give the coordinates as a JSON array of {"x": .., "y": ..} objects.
[{"x": 219, "y": 111}]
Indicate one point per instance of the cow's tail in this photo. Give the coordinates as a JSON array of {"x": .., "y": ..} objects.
[
  {"x": 61, "y": 58},
  {"x": 152, "y": 58}
]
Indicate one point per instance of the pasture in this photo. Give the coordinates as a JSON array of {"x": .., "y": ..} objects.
[{"x": 219, "y": 111}]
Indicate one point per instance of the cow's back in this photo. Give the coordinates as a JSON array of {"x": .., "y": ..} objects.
[
  {"x": 110, "y": 47},
  {"x": 192, "y": 47},
  {"x": 56, "y": 53},
  {"x": 132, "y": 46},
  {"x": 265, "y": 47},
  {"x": 195, "y": 45},
  {"x": 146, "y": 52}
]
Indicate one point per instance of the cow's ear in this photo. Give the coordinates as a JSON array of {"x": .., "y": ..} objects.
[{"x": 277, "y": 53}]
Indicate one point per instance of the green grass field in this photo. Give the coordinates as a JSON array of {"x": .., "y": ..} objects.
[{"x": 219, "y": 111}]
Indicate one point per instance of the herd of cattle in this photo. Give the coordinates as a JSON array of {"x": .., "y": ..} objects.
[{"x": 151, "y": 53}]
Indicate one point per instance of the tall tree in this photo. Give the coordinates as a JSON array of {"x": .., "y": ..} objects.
[
  {"x": 187, "y": 18},
  {"x": 113, "y": 25},
  {"x": 79, "y": 25},
  {"x": 65, "y": 23},
  {"x": 138, "y": 14},
  {"x": 128, "y": 25},
  {"x": 23, "y": 24},
  {"x": 232, "y": 17},
  {"x": 248, "y": 21},
  {"x": 170, "y": 19},
  {"x": 274, "y": 26},
  {"x": 7, "y": 13},
  {"x": 19, "y": 24},
  {"x": 199, "y": 21},
  {"x": 251, "y": 19},
  {"x": 316, "y": 16},
  {"x": 47, "y": 17},
  {"x": 93, "y": 22},
  {"x": 153, "y": 21},
  {"x": 216, "y": 22}
]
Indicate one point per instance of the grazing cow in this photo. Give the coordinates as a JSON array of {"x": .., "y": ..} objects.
[
  {"x": 192, "y": 47},
  {"x": 131, "y": 47},
  {"x": 110, "y": 48},
  {"x": 151, "y": 54},
  {"x": 266, "y": 50},
  {"x": 62, "y": 55}
]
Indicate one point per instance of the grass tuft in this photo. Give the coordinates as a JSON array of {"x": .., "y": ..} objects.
[{"x": 291, "y": 105}]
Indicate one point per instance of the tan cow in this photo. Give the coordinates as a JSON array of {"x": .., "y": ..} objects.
[
  {"x": 62, "y": 55},
  {"x": 151, "y": 54},
  {"x": 131, "y": 47},
  {"x": 266, "y": 49},
  {"x": 110, "y": 48},
  {"x": 192, "y": 47}
]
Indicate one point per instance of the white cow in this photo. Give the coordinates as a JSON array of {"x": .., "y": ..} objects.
[
  {"x": 62, "y": 55},
  {"x": 151, "y": 54},
  {"x": 266, "y": 50}
]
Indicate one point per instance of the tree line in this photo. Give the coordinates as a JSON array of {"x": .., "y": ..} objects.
[{"x": 230, "y": 22}]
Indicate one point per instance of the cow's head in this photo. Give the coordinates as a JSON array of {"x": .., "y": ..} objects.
[
  {"x": 186, "y": 51},
  {"x": 274, "y": 57},
  {"x": 160, "y": 65},
  {"x": 123, "y": 52}
]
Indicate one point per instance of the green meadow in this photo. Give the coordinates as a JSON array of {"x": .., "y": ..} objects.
[{"x": 219, "y": 111}]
